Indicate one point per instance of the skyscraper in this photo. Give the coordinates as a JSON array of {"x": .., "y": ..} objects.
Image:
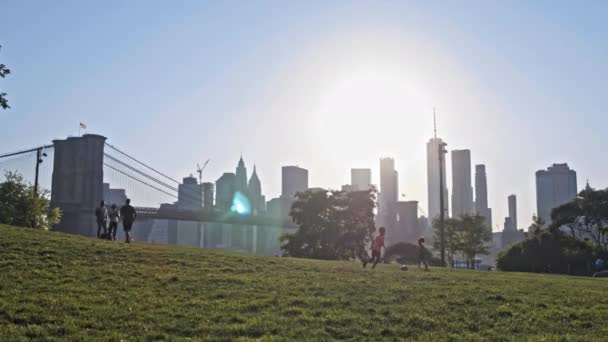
[
  {"x": 360, "y": 179},
  {"x": 224, "y": 194},
  {"x": 256, "y": 199},
  {"x": 512, "y": 199},
  {"x": 294, "y": 179},
  {"x": 389, "y": 194},
  {"x": 189, "y": 194},
  {"x": 510, "y": 233},
  {"x": 462, "y": 192},
  {"x": 240, "y": 181},
  {"x": 208, "y": 195},
  {"x": 481, "y": 194},
  {"x": 432, "y": 169},
  {"x": 409, "y": 229},
  {"x": 554, "y": 187}
]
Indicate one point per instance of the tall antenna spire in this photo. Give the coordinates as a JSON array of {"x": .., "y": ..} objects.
[{"x": 434, "y": 123}]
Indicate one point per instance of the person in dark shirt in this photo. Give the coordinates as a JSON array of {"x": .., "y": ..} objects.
[{"x": 128, "y": 215}]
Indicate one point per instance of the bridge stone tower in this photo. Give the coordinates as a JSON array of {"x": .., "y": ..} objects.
[{"x": 77, "y": 184}]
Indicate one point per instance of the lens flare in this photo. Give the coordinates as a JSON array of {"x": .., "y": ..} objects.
[{"x": 240, "y": 204}]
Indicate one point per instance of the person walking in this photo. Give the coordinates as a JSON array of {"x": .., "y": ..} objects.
[
  {"x": 101, "y": 216},
  {"x": 114, "y": 216},
  {"x": 128, "y": 215},
  {"x": 422, "y": 254}
]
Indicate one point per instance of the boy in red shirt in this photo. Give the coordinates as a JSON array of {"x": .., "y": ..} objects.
[{"x": 377, "y": 245}]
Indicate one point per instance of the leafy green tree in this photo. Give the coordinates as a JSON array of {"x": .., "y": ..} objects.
[
  {"x": 474, "y": 237},
  {"x": 453, "y": 239},
  {"x": 332, "y": 225},
  {"x": 585, "y": 217},
  {"x": 548, "y": 251},
  {"x": 466, "y": 235},
  {"x": 21, "y": 206},
  {"x": 3, "y": 72}
]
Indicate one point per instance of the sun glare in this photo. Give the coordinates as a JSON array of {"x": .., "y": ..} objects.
[{"x": 371, "y": 111}]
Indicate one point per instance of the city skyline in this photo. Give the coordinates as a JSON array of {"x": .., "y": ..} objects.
[{"x": 222, "y": 87}]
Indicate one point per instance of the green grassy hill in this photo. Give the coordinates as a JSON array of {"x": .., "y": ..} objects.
[{"x": 67, "y": 287}]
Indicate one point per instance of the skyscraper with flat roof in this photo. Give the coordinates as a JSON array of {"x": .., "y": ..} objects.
[
  {"x": 389, "y": 194},
  {"x": 554, "y": 186},
  {"x": 360, "y": 179},
  {"x": 432, "y": 169},
  {"x": 224, "y": 191},
  {"x": 462, "y": 192},
  {"x": 512, "y": 199},
  {"x": 294, "y": 179},
  {"x": 481, "y": 194},
  {"x": 189, "y": 194}
]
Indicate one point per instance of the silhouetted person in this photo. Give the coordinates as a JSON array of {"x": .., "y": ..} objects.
[
  {"x": 422, "y": 254},
  {"x": 128, "y": 215},
  {"x": 114, "y": 216},
  {"x": 101, "y": 216},
  {"x": 377, "y": 245}
]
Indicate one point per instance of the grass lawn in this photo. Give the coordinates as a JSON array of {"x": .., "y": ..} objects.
[{"x": 56, "y": 286}]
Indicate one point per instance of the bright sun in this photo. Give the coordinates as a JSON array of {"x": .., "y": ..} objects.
[{"x": 371, "y": 112}]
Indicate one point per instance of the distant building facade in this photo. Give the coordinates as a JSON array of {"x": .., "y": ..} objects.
[
  {"x": 433, "y": 184},
  {"x": 240, "y": 179},
  {"x": 409, "y": 226},
  {"x": 224, "y": 191},
  {"x": 254, "y": 191},
  {"x": 462, "y": 191},
  {"x": 554, "y": 187},
  {"x": 189, "y": 194},
  {"x": 388, "y": 197},
  {"x": 113, "y": 196},
  {"x": 360, "y": 179},
  {"x": 208, "y": 195},
  {"x": 294, "y": 179},
  {"x": 512, "y": 200},
  {"x": 481, "y": 194}
]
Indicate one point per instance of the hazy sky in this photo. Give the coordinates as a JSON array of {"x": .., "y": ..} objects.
[{"x": 327, "y": 85}]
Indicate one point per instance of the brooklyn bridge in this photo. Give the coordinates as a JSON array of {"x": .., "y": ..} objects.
[{"x": 79, "y": 172}]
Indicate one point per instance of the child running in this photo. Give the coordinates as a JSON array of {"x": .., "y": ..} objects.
[{"x": 377, "y": 245}]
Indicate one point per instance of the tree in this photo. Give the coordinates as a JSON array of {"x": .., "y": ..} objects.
[
  {"x": 452, "y": 237},
  {"x": 21, "y": 206},
  {"x": 332, "y": 225},
  {"x": 3, "y": 72},
  {"x": 585, "y": 217},
  {"x": 475, "y": 235},
  {"x": 466, "y": 235},
  {"x": 547, "y": 251}
]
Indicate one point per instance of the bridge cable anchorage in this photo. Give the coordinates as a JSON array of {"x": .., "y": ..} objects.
[
  {"x": 25, "y": 151},
  {"x": 187, "y": 193},
  {"x": 139, "y": 180},
  {"x": 141, "y": 173},
  {"x": 149, "y": 167}
]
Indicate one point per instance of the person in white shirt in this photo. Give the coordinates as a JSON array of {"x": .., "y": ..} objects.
[{"x": 114, "y": 215}]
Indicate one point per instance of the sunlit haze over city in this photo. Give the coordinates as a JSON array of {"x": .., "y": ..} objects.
[{"x": 325, "y": 85}]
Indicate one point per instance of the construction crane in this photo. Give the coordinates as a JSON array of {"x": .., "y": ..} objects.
[{"x": 200, "y": 169}]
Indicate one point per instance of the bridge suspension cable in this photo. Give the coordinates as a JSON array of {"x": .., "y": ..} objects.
[
  {"x": 139, "y": 180},
  {"x": 142, "y": 163},
  {"x": 141, "y": 173}
]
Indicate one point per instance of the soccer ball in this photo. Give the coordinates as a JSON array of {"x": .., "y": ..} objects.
[{"x": 403, "y": 267}]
